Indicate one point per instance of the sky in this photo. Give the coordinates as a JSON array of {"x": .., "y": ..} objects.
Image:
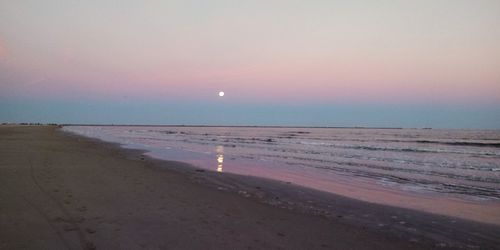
[{"x": 428, "y": 63}]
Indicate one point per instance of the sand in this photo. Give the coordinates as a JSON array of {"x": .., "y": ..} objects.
[{"x": 61, "y": 191}]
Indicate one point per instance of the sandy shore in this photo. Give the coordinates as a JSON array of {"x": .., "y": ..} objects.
[{"x": 60, "y": 191}]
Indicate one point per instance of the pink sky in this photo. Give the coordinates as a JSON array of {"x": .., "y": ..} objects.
[{"x": 258, "y": 51}]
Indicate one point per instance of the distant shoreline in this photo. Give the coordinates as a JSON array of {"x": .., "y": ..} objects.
[
  {"x": 194, "y": 126},
  {"x": 232, "y": 126}
]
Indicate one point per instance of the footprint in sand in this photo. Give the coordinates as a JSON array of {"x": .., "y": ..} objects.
[
  {"x": 69, "y": 227},
  {"x": 89, "y": 245}
]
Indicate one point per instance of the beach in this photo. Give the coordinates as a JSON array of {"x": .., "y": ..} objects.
[
  {"x": 62, "y": 191},
  {"x": 442, "y": 171}
]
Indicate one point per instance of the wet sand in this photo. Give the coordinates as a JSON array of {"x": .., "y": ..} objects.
[{"x": 61, "y": 191}]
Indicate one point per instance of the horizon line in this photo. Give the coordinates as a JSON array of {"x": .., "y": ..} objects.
[{"x": 229, "y": 126}]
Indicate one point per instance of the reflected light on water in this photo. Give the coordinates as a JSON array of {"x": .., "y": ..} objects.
[{"x": 220, "y": 157}]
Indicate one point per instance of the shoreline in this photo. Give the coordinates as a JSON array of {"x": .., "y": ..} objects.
[
  {"x": 230, "y": 126},
  {"x": 122, "y": 189},
  {"x": 483, "y": 211},
  {"x": 368, "y": 190}
]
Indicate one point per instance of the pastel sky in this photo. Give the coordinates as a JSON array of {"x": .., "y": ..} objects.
[{"x": 427, "y": 63}]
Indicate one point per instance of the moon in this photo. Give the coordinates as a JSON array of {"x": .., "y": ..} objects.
[{"x": 221, "y": 93}]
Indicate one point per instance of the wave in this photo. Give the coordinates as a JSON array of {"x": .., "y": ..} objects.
[
  {"x": 436, "y": 186},
  {"x": 462, "y": 143},
  {"x": 415, "y": 150},
  {"x": 445, "y": 162},
  {"x": 364, "y": 167}
]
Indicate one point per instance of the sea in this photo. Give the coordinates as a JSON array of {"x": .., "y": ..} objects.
[{"x": 450, "y": 163}]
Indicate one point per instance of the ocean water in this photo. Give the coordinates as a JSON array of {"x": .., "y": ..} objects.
[{"x": 461, "y": 164}]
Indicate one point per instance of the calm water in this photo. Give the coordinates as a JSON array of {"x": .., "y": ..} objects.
[{"x": 453, "y": 163}]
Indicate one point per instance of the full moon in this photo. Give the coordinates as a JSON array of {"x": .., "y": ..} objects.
[{"x": 221, "y": 93}]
